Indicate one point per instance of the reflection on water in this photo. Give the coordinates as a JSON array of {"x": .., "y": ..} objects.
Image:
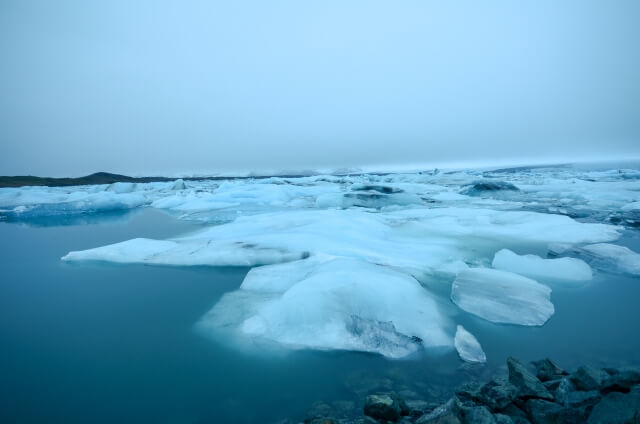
[{"x": 108, "y": 343}]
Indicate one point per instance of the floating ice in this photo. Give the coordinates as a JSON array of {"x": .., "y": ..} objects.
[
  {"x": 533, "y": 266},
  {"x": 427, "y": 226},
  {"x": 614, "y": 258},
  {"x": 334, "y": 303},
  {"x": 468, "y": 347},
  {"x": 502, "y": 297}
]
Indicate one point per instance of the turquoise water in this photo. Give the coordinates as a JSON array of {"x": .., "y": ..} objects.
[{"x": 107, "y": 343}]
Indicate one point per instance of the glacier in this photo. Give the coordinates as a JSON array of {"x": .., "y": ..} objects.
[{"x": 361, "y": 262}]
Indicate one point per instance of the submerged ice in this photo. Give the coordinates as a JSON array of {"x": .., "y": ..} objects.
[{"x": 360, "y": 262}]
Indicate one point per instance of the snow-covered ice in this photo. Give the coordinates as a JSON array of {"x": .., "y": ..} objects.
[
  {"x": 502, "y": 297},
  {"x": 468, "y": 347},
  {"x": 569, "y": 269}
]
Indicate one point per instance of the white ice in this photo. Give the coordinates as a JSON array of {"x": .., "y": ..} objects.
[
  {"x": 502, "y": 297},
  {"x": 334, "y": 303},
  {"x": 468, "y": 347},
  {"x": 569, "y": 269},
  {"x": 416, "y": 229},
  {"x": 615, "y": 258}
]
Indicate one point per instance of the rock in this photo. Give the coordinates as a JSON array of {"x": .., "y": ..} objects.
[
  {"x": 497, "y": 393},
  {"x": 516, "y": 414},
  {"x": 478, "y": 415},
  {"x": 502, "y": 419},
  {"x": 545, "y": 412},
  {"x": 617, "y": 408},
  {"x": 565, "y": 387},
  {"x": 385, "y": 406},
  {"x": 448, "y": 413},
  {"x": 323, "y": 420},
  {"x": 621, "y": 381},
  {"x": 547, "y": 370},
  {"x": 527, "y": 384},
  {"x": 418, "y": 408},
  {"x": 588, "y": 378},
  {"x": 579, "y": 399}
]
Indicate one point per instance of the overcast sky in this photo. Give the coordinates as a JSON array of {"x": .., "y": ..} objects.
[{"x": 154, "y": 87}]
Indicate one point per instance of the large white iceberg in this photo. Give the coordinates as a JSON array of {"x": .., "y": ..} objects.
[
  {"x": 502, "y": 297},
  {"x": 334, "y": 303},
  {"x": 570, "y": 269}
]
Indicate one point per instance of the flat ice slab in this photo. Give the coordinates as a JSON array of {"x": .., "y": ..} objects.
[
  {"x": 615, "y": 258},
  {"x": 569, "y": 269},
  {"x": 468, "y": 347},
  {"x": 502, "y": 297}
]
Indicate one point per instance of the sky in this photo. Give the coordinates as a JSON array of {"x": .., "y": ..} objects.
[{"x": 152, "y": 87}]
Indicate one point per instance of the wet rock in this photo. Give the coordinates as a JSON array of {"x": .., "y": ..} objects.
[
  {"x": 527, "y": 384},
  {"x": 478, "y": 415},
  {"x": 580, "y": 399},
  {"x": 502, "y": 419},
  {"x": 545, "y": 412},
  {"x": 621, "y": 380},
  {"x": 418, "y": 408},
  {"x": 617, "y": 408},
  {"x": 448, "y": 413},
  {"x": 497, "y": 393},
  {"x": 385, "y": 406},
  {"x": 547, "y": 370},
  {"x": 516, "y": 414},
  {"x": 561, "y": 394},
  {"x": 588, "y": 378}
]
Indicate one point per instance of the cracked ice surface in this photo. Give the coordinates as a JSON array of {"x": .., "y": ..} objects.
[{"x": 352, "y": 262}]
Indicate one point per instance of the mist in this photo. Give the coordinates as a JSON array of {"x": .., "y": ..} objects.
[{"x": 151, "y": 87}]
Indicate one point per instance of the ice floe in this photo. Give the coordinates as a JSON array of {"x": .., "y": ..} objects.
[
  {"x": 468, "y": 347},
  {"x": 570, "y": 269},
  {"x": 367, "y": 261},
  {"x": 334, "y": 303},
  {"x": 502, "y": 297},
  {"x": 614, "y": 258}
]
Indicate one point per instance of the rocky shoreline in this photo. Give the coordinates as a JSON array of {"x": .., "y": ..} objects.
[{"x": 541, "y": 393}]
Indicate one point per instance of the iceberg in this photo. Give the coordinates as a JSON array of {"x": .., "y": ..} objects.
[
  {"x": 468, "y": 347},
  {"x": 568, "y": 269},
  {"x": 502, "y": 297},
  {"x": 334, "y": 303}
]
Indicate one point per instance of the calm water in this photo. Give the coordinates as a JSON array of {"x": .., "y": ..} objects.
[{"x": 104, "y": 343}]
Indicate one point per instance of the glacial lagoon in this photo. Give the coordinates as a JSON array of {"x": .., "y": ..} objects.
[{"x": 167, "y": 327}]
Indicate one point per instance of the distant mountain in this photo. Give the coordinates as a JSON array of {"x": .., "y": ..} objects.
[{"x": 97, "y": 178}]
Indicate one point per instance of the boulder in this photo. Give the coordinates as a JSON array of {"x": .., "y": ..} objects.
[
  {"x": 545, "y": 412},
  {"x": 547, "y": 370},
  {"x": 617, "y": 408},
  {"x": 527, "y": 384},
  {"x": 478, "y": 415},
  {"x": 448, "y": 413},
  {"x": 588, "y": 378},
  {"x": 502, "y": 419},
  {"x": 621, "y": 381},
  {"x": 497, "y": 393},
  {"x": 385, "y": 406},
  {"x": 561, "y": 393}
]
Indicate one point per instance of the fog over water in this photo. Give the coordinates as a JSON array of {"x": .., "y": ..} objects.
[{"x": 205, "y": 87}]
